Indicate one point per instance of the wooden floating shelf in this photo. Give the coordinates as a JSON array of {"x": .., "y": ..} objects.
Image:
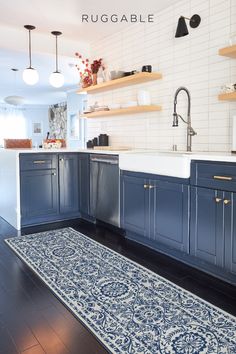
[
  {"x": 227, "y": 96},
  {"x": 228, "y": 51},
  {"x": 128, "y": 110},
  {"x": 122, "y": 82}
]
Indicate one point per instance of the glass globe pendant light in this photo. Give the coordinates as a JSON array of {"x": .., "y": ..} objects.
[
  {"x": 56, "y": 79},
  {"x": 14, "y": 100},
  {"x": 30, "y": 75}
]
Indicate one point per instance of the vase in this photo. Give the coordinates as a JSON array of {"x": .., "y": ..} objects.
[
  {"x": 86, "y": 81},
  {"x": 95, "y": 77}
]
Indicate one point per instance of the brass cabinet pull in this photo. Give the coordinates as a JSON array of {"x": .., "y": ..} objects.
[
  {"x": 61, "y": 159},
  {"x": 223, "y": 178},
  {"x": 218, "y": 200},
  {"x": 151, "y": 187},
  {"x": 39, "y": 161},
  {"x": 146, "y": 186},
  {"x": 226, "y": 201},
  {"x": 53, "y": 173}
]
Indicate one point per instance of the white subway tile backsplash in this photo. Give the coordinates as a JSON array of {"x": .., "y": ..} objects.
[{"x": 190, "y": 61}]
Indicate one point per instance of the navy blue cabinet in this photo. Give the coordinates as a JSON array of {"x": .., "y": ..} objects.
[
  {"x": 38, "y": 188},
  {"x": 68, "y": 183},
  {"x": 213, "y": 214},
  {"x": 155, "y": 211},
  {"x": 230, "y": 231},
  {"x": 135, "y": 206},
  {"x": 83, "y": 182},
  {"x": 207, "y": 225},
  {"x": 49, "y": 187},
  {"x": 39, "y": 195},
  {"x": 171, "y": 214}
]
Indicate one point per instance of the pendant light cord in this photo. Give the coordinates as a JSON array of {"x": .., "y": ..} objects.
[
  {"x": 56, "y": 56},
  {"x": 30, "y": 59}
]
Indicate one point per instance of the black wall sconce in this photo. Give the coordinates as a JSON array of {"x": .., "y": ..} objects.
[{"x": 182, "y": 29}]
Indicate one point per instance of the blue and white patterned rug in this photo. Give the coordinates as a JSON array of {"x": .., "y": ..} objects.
[{"x": 129, "y": 308}]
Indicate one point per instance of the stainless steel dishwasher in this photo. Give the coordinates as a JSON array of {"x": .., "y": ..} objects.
[{"x": 105, "y": 188}]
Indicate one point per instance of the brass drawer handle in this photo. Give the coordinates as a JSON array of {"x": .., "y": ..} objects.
[
  {"x": 226, "y": 201},
  {"x": 146, "y": 186},
  {"x": 39, "y": 161},
  {"x": 218, "y": 200},
  {"x": 223, "y": 178},
  {"x": 151, "y": 187}
]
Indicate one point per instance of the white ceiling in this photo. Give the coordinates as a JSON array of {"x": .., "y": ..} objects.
[{"x": 49, "y": 15}]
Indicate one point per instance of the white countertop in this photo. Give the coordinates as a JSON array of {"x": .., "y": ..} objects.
[
  {"x": 62, "y": 150},
  {"x": 166, "y": 163},
  {"x": 211, "y": 156}
]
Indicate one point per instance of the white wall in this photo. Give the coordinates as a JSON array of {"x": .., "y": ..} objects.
[
  {"x": 75, "y": 106},
  {"x": 190, "y": 61},
  {"x": 34, "y": 114}
]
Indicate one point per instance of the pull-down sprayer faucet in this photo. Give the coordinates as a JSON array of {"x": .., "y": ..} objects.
[{"x": 190, "y": 131}]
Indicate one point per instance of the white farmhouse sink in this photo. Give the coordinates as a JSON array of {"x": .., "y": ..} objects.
[{"x": 173, "y": 164}]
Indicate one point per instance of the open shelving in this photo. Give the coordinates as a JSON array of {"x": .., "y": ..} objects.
[
  {"x": 122, "y": 82},
  {"x": 228, "y": 51},
  {"x": 231, "y": 53},
  {"x": 231, "y": 96},
  {"x": 124, "y": 111}
]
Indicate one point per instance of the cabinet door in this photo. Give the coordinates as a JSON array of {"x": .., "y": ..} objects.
[
  {"x": 135, "y": 206},
  {"x": 39, "y": 195},
  {"x": 84, "y": 184},
  {"x": 207, "y": 225},
  {"x": 68, "y": 183},
  {"x": 230, "y": 231},
  {"x": 171, "y": 214}
]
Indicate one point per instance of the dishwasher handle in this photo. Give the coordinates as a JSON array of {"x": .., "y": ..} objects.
[{"x": 108, "y": 160}]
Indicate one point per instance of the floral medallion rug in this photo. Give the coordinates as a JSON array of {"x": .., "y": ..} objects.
[{"x": 128, "y": 308}]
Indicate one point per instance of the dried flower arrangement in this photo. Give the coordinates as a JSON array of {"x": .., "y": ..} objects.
[
  {"x": 96, "y": 65},
  {"x": 84, "y": 71},
  {"x": 87, "y": 71}
]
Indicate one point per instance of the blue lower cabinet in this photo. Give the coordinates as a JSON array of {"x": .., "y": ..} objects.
[
  {"x": 49, "y": 187},
  {"x": 155, "y": 212},
  {"x": 39, "y": 195},
  {"x": 84, "y": 181},
  {"x": 230, "y": 231},
  {"x": 171, "y": 214},
  {"x": 135, "y": 208},
  {"x": 68, "y": 184},
  {"x": 207, "y": 232}
]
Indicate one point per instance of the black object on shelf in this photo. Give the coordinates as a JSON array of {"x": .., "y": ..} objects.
[
  {"x": 89, "y": 144},
  {"x": 147, "y": 69},
  {"x": 95, "y": 141},
  {"x": 103, "y": 140}
]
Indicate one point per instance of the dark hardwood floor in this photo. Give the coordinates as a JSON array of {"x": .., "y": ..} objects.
[{"x": 34, "y": 321}]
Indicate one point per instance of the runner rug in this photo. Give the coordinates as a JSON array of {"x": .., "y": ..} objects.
[{"x": 127, "y": 307}]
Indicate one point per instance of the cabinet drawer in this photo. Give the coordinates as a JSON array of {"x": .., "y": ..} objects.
[
  {"x": 219, "y": 175},
  {"x": 38, "y": 161}
]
